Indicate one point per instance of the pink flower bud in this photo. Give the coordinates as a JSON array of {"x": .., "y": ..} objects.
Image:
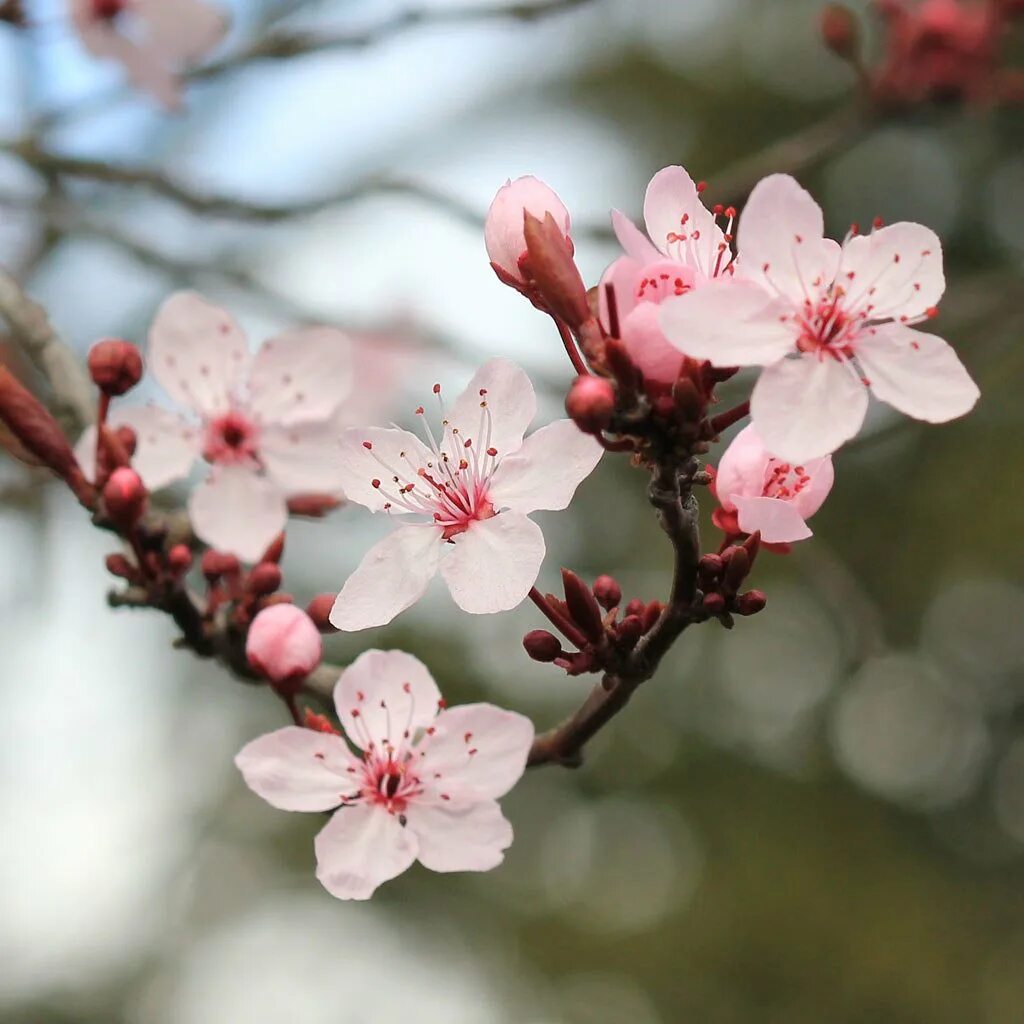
[
  {"x": 630, "y": 630},
  {"x": 115, "y": 366},
  {"x": 124, "y": 497},
  {"x": 319, "y": 610},
  {"x": 264, "y": 579},
  {"x": 751, "y": 602},
  {"x": 283, "y": 644},
  {"x": 216, "y": 564},
  {"x": 608, "y": 592},
  {"x": 179, "y": 559},
  {"x": 504, "y": 233},
  {"x": 590, "y": 403},
  {"x": 542, "y": 645}
]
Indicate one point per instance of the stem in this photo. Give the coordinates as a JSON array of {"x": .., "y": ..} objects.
[
  {"x": 570, "y": 347},
  {"x": 102, "y": 408},
  {"x": 726, "y": 419},
  {"x": 557, "y": 619}
]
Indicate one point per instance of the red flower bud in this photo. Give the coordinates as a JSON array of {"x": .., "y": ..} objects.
[
  {"x": 319, "y": 610},
  {"x": 635, "y": 607},
  {"x": 118, "y": 565},
  {"x": 315, "y": 506},
  {"x": 284, "y": 646},
  {"x": 264, "y": 579},
  {"x": 630, "y": 629},
  {"x": 713, "y": 604},
  {"x": 124, "y": 497},
  {"x": 275, "y": 550},
  {"x": 115, "y": 366},
  {"x": 590, "y": 403},
  {"x": 542, "y": 645},
  {"x": 750, "y": 603},
  {"x": 651, "y": 614},
  {"x": 126, "y": 438},
  {"x": 582, "y": 605},
  {"x": 711, "y": 566},
  {"x": 608, "y": 592},
  {"x": 216, "y": 564},
  {"x": 737, "y": 568},
  {"x": 179, "y": 559}
]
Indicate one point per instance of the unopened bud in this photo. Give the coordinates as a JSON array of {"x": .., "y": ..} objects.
[
  {"x": 750, "y": 603},
  {"x": 590, "y": 403},
  {"x": 319, "y": 610},
  {"x": 582, "y": 605},
  {"x": 542, "y": 645},
  {"x": 553, "y": 271},
  {"x": 608, "y": 592},
  {"x": 752, "y": 545},
  {"x": 840, "y": 31},
  {"x": 118, "y": 565},
  {"x": 127, "y": 438},
  {"x": 710, "y": 566},
  {"x": 315, "y": 506},
  {"x": 275, "y": 550},
  {"x": 635, "y": 607},
  {"x": 115, "y": 366},
  {"x": 713, "y": 604},
  {"x": 651, "y": 614},
  {"x": 124, "y": 497},
  {"x": 216, "y": 564},
  {"x": 179, "y": 559},
  {"x": 737, "y": 569},
  {"x": 504, "y": 230},
  {"x": 284, "y": 646},
  {"x": 263, "y": 579},
  {"x": 629, "y": 630}
]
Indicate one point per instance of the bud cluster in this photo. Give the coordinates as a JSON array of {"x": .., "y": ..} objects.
[{"x": 721, "y": 577}]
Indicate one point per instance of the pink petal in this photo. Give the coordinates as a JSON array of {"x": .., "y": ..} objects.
[
  {"x": 393, "y": 694},
  {"x": 545, "y": 472},
  {"x": 197, "y": 352},
  {"x": 302, "y": 458},
  {"x": 917, "y": 373},
  {"x": 778, "y": 521},
  {"x": 741, "y": 471},
  {"x": 392, "y": 453},
  {"x": 511, "y": 405},
  {"x": 361, "y": 847},
  {"x": 460, "y": 838},
  {"x": 813, "y": 496},
  {"x": 492, "y": 566},
  {"x": 633, "y": 241},
  {"x": 301, "y": 376},
  {"x": 393, "y": 575},
  {"x": 183, "y": 31},
  {"x": 503, "y": 229},
  {"x": 807, "y": 407},
  {"x": 657, "y": 358},
  {"x": 673, "y": 207},
  {"x": 296, "y": 769},
  {"x": 897, "y": 271},
  {"x": 238, "y": 511},
  {"x": 781, "y": 240},
  {"x": 481, "y": 747},
  {"x": 730, "y": 322}
]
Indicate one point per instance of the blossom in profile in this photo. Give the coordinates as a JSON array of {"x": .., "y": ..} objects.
[
  {"x": 504, "y": 234},
  {"x": 829, "y": 323},
  {"x": 283, "y": 644},
  {"x": 468, "y": 488},
  {"x": 266, "y": 424},
  {"x": 408, "y": 780},
  {"x": 759, "y": 493},
  {"x": 153, "y": 40}
]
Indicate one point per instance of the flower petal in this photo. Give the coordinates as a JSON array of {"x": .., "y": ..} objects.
[
  {"x": 741, "y": 470},
  {"x": 491, "y": 567},
  {"x": 812, "y": 497},
  {"x": 730, "y": 322},
  {"x": 504, "y": 234},
  {"x": 633, "y": 241},
  {"x": 480, "y": 746},
  {"x": 545, "y": 472},
  {"x": 917, "y": 373},
  {"x": 300, "y": 376},
  {"x": 361, "y": 847},
  {"x": 238, "y": 511},
  {"x": 302, "y": 458},
  {"x": 183, "y": 31},
  {"x": 895, "y": 271},
  {"x": 807, "y": 407},
  {"x": 460, "y": 838},
  {"x": 778, "y": 521},
  {"x": 511, "y": 405},
  {"x": 385, "y": 696},
  {"x": 393, "y": 575},
  {"x": 392, "y": 453},
  {"x": 679, "y": 223},
  {"x": 197, "y": 352},
  {"x": 297, "y": 769}
]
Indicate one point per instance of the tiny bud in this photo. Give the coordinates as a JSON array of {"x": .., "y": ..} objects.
[
  {"x": 179, "y": 559},
  {"x": 635, "y": 607},
  {"x": 319, "y": 610},
  {"x": 118, "y": 565},
  {"x": 629, "y": 630},
  {"x": 750, "y": 603},
  {"x": 315, "y": 506},
  {"x": 127, "y": 438},
  {"x": 590, "y": 403},
  {"x": 263, "y": 579},
  {"x": 840, "y": 31},
  {"x": 542, "y": 645},
  {"x": 710, "y": 566},
  {"x": 737, "y": 569},
  {"x": 284, "y": 646},
  {"x": 275, "y": 551},
  {"x": 752, "y": 545},
  {"x": 582, "y": 605},
  {"x": 713, "y": 604},
  {"x": 115, "y": 366},
  {"x": 124, "y": 497},
  {"x": 216, "y": 564},
  {"x": 651, "y": 614},
  {"x": 319, "y": 723},
  {"x": 608, "y": 592}
]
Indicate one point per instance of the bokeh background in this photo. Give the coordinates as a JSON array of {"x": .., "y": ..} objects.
[{"x": 818, "y": 817}]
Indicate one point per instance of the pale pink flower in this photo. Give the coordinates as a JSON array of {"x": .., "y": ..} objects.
[
  {"x": 423, "y": 785},
  {"x": 503, "y": 229},
  {"x": 283, "y": 644},
  {"x": 770, "y": 495},
  {"x": 266, "y": 424},
  {"x": 828, "y": 323},
  {"x": 154, "y": 40},
  {"x": 474, "y": 483},
  {"x": 687, "y": 247}
]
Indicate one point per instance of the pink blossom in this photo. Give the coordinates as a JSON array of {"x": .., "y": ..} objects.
[
  {"x": 283, "y": 644},
  {"x": 266, "y": 424},
  {"x": 475, "y": 485},
  {"x": 688, "y": 249},
  {"x": 422, "y": 785},
  {"x": 152, "y": 39},
  {"x": 828, "y": 323},
  {"x": 767, "y": 494},
  {"x": 503, "y": 230}
]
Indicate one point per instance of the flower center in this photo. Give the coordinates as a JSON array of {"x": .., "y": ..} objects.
[
  {"x": 689, "y": 244},
  {"x": 784, "y": 481},
  {"x": 231, "y": 439}
]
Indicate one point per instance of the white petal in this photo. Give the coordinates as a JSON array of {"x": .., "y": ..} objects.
[
  {"x": 741, "y": 470},
  {"x": 545, "y": 472},
  {"x": 894, "y": 271},
  {"x": 492, "y": 566},
  {"x": 392, "y": 576},
  {"x": 807, "y": 407},
  {"x": 778, "y": 520},
  {"x": 303, "y": 458},
  {"x": 166, "y": 444},
  {"x": 296, "y": 769},
  {"x": 391, "y": 453},
  {"x": 361, "y": 847},
  {"x": 197, "y": 352},
  {"x": 394, "y": 696},
  {"x": 673, "y": 207},
  {"x": 633, "y": 241},
  {"x": 460, "y": 838},
  {"x": 917, "y": 373},
  {"x": 480, "y": 746},
  {"x": 729, "y": 321},
  {"x": 301, "y": 375},
  {"x": 812, "y": 497},
  {"x": 511, "y": 405},
  {"x": 238, "y": 511}
]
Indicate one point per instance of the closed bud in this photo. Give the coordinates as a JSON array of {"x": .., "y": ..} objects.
[
  {"x": 553, "y": 270},
  {"x": 651, "y": 614},
  {"x": 504, "y": 231},
  {"x": 179, "y": 559},
  {"x": 710, "y": 566},
  {"x": 629, "y": 630},
  {"x": 737, "y": 569},
  {"x": 314, "y": 506},
  {"x": 582, "y": 605},
  {"x": 284, "y": 646},
  {"x": 319, "y": 610},
  {"x": 124, "y": 497},
  {"x": 590, "y": 403},
  {"x": 840, "y": 31},
  {"x": 752, "y": 545},
  {"x": 275, "y": 550},
  {"x": 127, "y": 438},
  {"x": 750, "y": 603},
  {"x": 118, "y": 565},
  {"x": 542, "y": 645},
  {"x": 608, "y": 592},
  {"x": 263, "y": 579},
  {"x": 713, "y": 604},
  {"x": 115, "y": 366},
  {"x": 216, "y": 564},
  {"x": 635, "y": 607}
]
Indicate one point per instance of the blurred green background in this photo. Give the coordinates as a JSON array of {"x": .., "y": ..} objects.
[{"x": 817, "y": 817}]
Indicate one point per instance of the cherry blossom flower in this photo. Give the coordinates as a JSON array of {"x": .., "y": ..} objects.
[
  {"x": 152, "y": 39},
  {"x": 283, "y": 644},
  {"x": 689, "y": 248},
  {"x": 759, "y": 492},
  {"x": 828, "y": 323},
  {"x": 503, "y": 229},
  {"x": 266, "y": 424},
  {"x": 424, "y": 784},
  {"x": 475, "y": 485}
]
